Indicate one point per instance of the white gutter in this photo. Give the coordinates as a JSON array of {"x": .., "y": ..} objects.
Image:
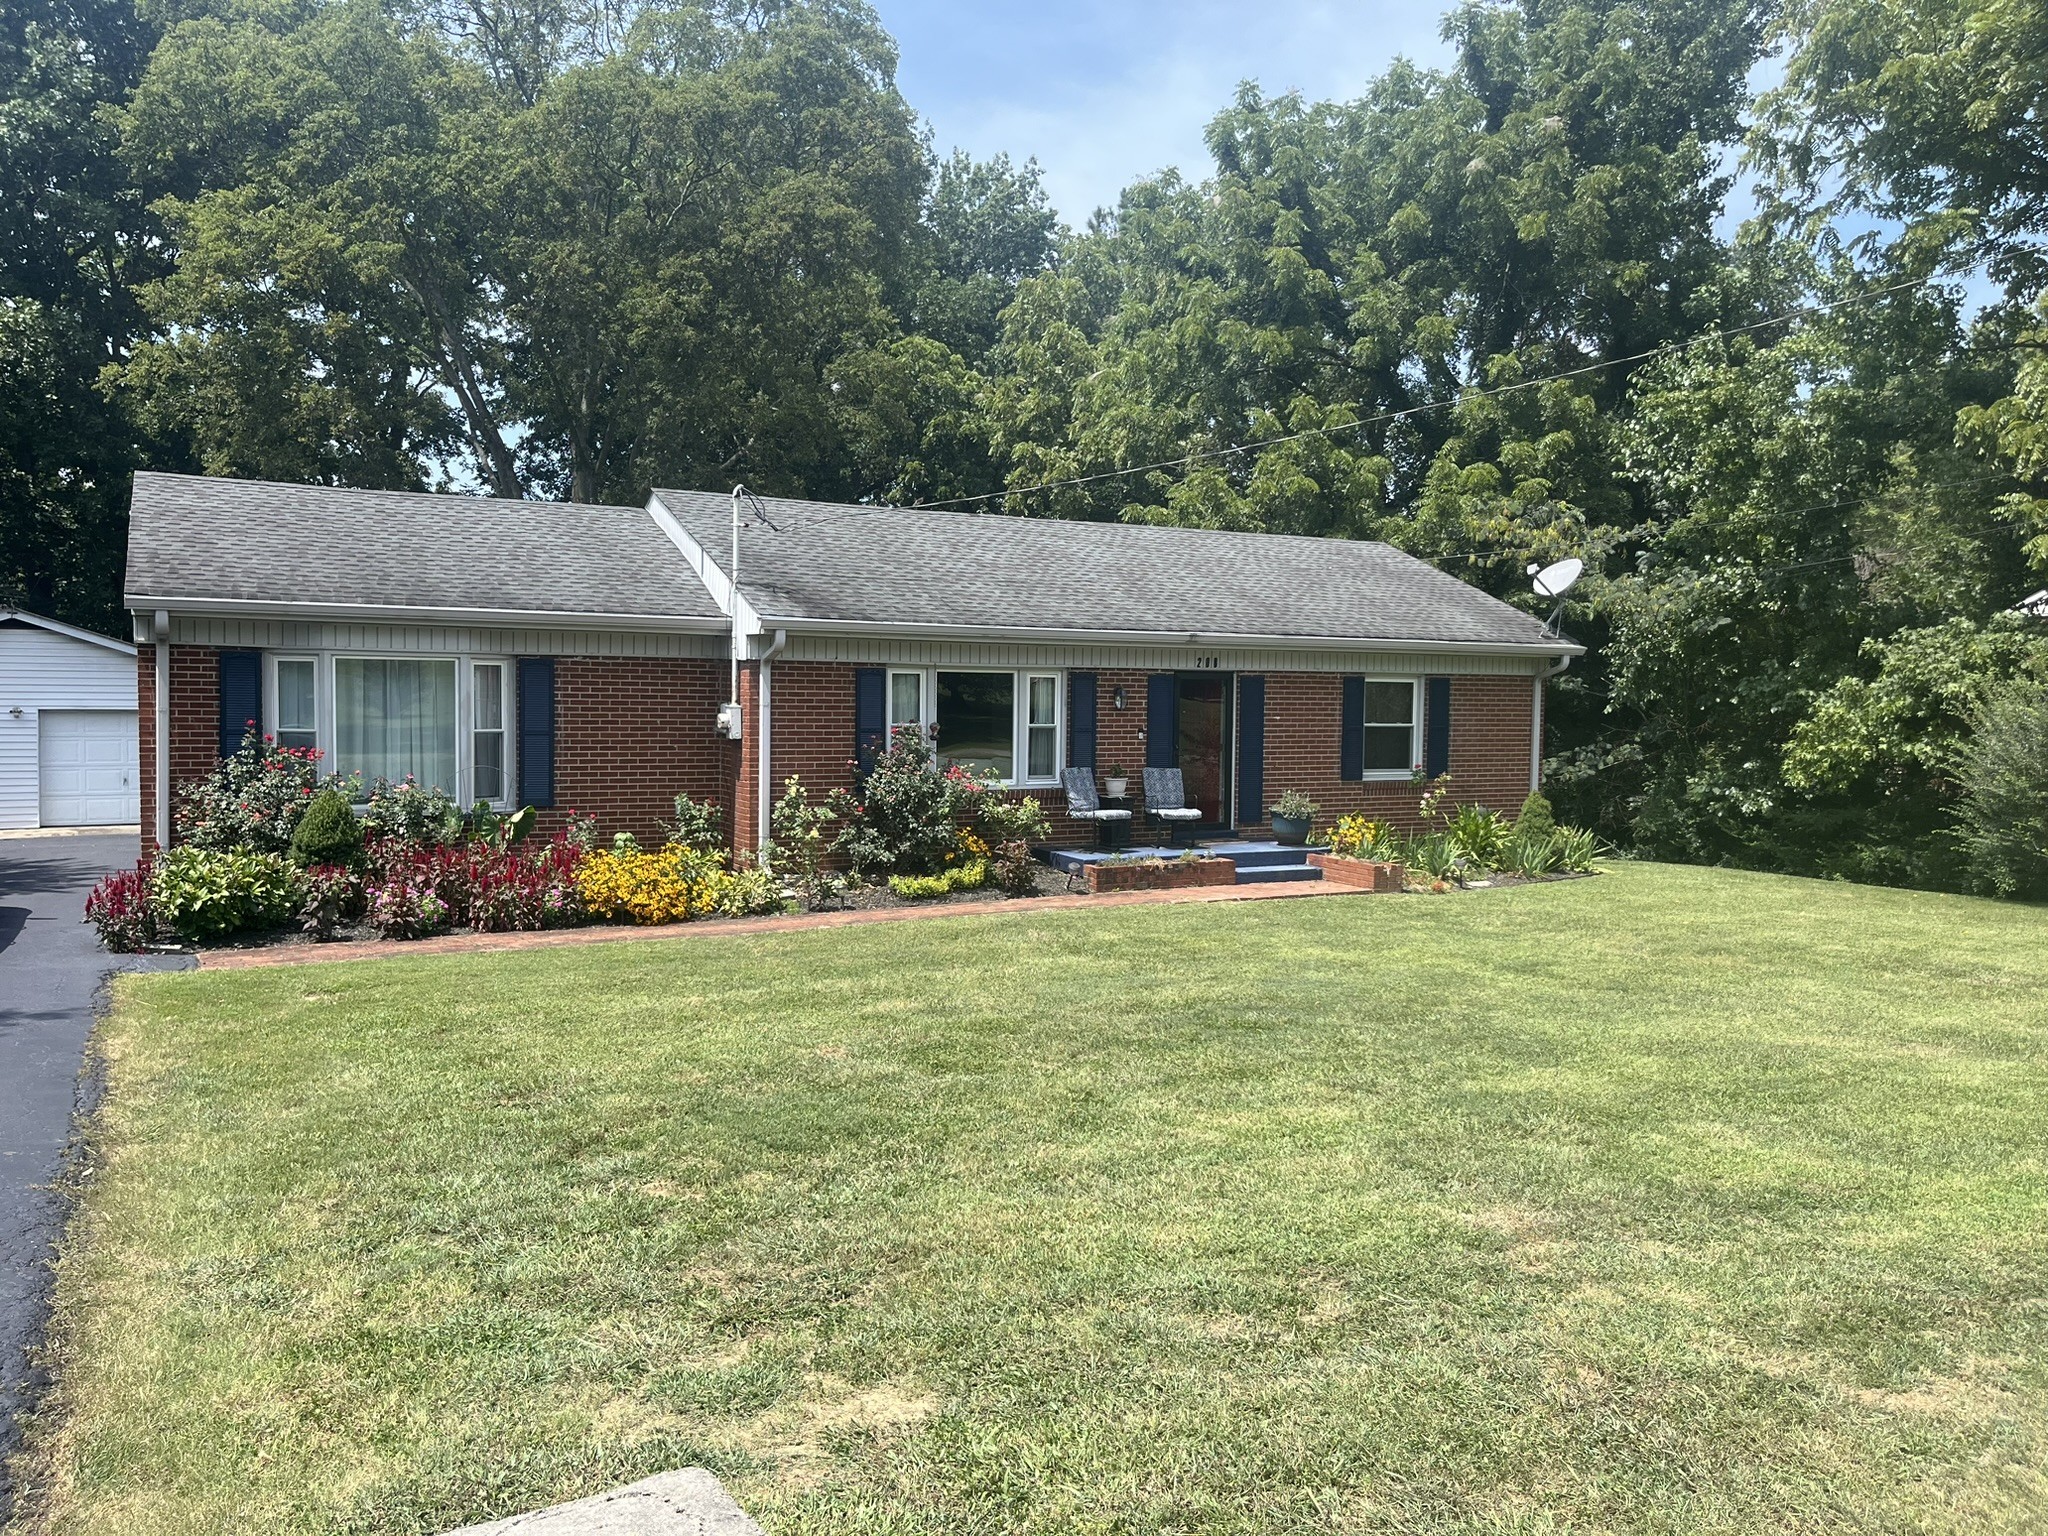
[
  {"x": 1553, "y": 646},
  {"x": 237, "y": 607},
  {"x": 764, "y": 735},
  {"x": 161, "y": 631},
  {"x": 1536, "y": 719}
]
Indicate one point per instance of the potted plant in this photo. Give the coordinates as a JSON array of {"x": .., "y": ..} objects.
[
  {"x": 1116, "y": 783},
  {"x": 1293, "y": 814}
]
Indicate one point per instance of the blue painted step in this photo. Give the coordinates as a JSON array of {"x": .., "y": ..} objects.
[
  {"x": 1256, "y": 855},
  {"x": 1267, "y": 874}
]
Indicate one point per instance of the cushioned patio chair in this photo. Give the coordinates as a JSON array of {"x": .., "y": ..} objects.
[
  {"x": 1084, "y": 805},
  {"x": 1166, "y": 801}
]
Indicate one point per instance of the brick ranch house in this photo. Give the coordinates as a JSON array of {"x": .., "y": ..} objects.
[{"x": 577, "y": 657}]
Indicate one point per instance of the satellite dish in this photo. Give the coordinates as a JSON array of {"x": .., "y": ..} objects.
[{"x": 1556, "y": 580}]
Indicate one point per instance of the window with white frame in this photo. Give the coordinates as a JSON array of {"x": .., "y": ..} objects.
[
  {"x": 1041, "y": 727},
  {"x": 443, "y": 721},
  {"x": 298, "y": 703},
  {"x": 1003, "y": 723},
  {"x": 1391, "y": 721},
  {"x": 487, "y": 730},
  {"x": 976, "y": 718},
  {"x": 906, "y": 700},
  {"x": 394, "y": 718}
]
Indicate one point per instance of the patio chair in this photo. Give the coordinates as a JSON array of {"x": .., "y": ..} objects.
[
  {"x": 1166, "y": 800},
  {"x": 1084, "y": 805}
]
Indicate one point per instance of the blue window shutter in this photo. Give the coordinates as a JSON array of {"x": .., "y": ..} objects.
[
  {"x": 537, "y": 731},
  {"x": 870, "y": 715},
  {"x": 1351, "y": 731},
  {"x": 1436, "y": 726},
  {"x": 1162, "y": 721},
  {"x": 1251, "y": 750},
  {"x": 241, "y": 698},
  {"x": 1080, "y": 719}
]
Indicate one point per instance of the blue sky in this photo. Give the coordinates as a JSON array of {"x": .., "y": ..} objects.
[{"x": 1104, "y": 94}]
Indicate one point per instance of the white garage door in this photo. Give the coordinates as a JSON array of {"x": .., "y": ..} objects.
[{"x": 87, "y": 759}]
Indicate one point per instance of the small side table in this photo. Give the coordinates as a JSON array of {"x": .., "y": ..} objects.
[{"x": 1116, "y": 834}]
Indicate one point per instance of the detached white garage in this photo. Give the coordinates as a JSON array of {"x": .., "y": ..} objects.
[{"x": 67, "y": 726}]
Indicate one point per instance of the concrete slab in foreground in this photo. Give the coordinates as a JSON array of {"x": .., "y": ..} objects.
[{"x": 690, "y": 1502}]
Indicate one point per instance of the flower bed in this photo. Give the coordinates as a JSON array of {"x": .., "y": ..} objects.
[
  {"x": 1159, "y": 874},
  {"x": 1365, "y": 874},
  {"x": 268, "y": 851}
]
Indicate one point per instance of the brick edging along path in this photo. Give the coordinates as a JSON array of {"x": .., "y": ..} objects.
[{"x": 803, "y": 922}]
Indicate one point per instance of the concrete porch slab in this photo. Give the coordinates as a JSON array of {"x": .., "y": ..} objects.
[{"x": 688, "y": 1502}]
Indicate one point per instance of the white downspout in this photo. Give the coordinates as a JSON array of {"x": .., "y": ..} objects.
[
  {"x": 161, "y": 633},
  {"x": 1536, "y": 722},
  {"x": 765, "y": 736}
]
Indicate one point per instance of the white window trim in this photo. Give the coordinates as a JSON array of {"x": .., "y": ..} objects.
[
  {"x": 464, "y": 789},
  {"x": 1400, "y": 775},
  {"x": 1020, "y": 714},
  {"x": 270, "y": 726}
]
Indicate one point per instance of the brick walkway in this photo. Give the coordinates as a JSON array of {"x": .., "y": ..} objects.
[{"x": 493, "y": 943}]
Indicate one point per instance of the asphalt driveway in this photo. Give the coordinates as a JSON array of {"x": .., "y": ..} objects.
[{"x": 50, "y": 968}]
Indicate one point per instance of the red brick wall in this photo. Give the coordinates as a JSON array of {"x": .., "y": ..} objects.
[
  {"x": 195, "y": 721},
  {"x": 813, "y": 738},
  {"x": 632, "y": 733},
  {"x": 1489, "y": 747}
]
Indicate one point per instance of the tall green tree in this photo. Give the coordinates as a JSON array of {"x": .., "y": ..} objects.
[{"x": 75, "y": 240}]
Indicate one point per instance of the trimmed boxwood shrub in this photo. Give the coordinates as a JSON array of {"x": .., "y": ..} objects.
[{"x": 328, "y": 833}]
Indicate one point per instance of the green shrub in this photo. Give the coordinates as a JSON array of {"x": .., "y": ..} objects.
[
  {"x": 1536, "y": 818},
  {"x": 200, "y": 893},
  {"x": 1576, "y": 850},
  {"x": 1012, "y": 869},
  {"x": 328, "y": 833},
  {"x": 748, "y": 893},
  {"x": 798, "y": 850},
  {"x": 427, "y": 818},
  {"x": 1532, "y": 854},
  {"x": 251, "y": 801},
  {"x": 2002, "y": 818},
  {"x": 971, "y": 876},
  {"x": 904, "y": 816},
  {"x": 698, "y": 824},
  {"x": 1019, "y": 819},
  {"x": 1479, "y": 835}
]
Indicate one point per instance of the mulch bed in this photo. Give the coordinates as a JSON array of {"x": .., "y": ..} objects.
[
  {"x": 972, "y": 904},
  {"x": 858, "y": 909}
]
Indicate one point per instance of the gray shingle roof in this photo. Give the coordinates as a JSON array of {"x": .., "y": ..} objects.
[
  {"x": 886, "y": 565},
  {"x": 261, "y": 542}
]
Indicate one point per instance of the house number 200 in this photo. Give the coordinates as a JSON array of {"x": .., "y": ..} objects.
[{"x": 1205, "y": 662}]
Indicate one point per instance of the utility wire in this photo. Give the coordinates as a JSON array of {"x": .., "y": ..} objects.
[{"x": 1462, "y": 397}]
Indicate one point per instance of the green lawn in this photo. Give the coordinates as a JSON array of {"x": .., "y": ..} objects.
[{"x": 1675, "y": 1201}]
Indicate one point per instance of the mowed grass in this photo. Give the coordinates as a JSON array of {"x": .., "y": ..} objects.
[{"x": 1673, "y": 1201}]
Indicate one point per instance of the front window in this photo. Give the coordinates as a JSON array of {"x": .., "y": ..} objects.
[
  {"x": 394, "y": 718},
  {"x": 298, "y": 724},
  {"x": 1042, "y": 727},
  {"x": 1389, "y": 727},
  {"x": 906, "y": 700},
  {"x": 487, "y": 730},
  {"x": 976, "y": 720}
]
